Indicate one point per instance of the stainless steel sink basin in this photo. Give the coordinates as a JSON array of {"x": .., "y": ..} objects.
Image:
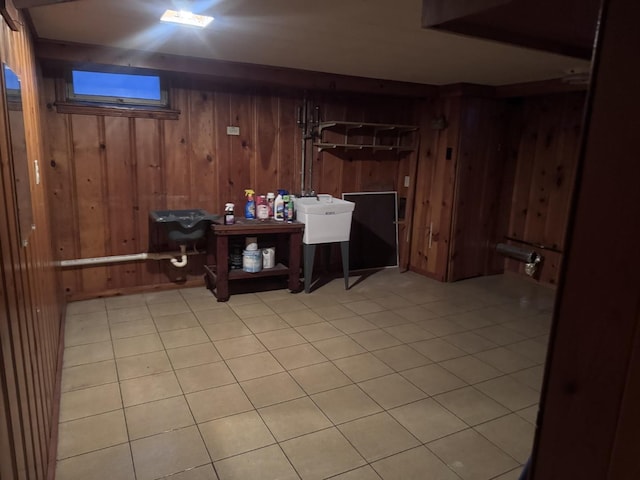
[{"x": 183, "y": 226}]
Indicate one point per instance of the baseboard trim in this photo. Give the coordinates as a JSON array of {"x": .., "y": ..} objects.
[{"x": 195, "y": 282}]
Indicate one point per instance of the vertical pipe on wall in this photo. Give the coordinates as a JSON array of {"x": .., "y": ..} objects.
[
  {"x": 315, "y": 122},
  {"x": 302, "y": 123}
]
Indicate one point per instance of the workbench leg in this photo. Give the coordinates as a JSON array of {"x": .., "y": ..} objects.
[
  {"x": 309, "y": 255},
  {"x": 344, "y": 251},
  {"x": 222, "y": 268},
  {"x": 295, "y": 240}
]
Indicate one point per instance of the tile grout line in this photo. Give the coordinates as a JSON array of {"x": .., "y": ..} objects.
[
  {"x": 528, "y": 337},
  {"x": 126, "y": 424}
]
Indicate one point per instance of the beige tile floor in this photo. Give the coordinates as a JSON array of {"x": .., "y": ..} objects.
[{"x": 400, "y": 377}]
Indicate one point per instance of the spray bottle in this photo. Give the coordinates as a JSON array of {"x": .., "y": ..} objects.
[
  {"x": 250, "y": 207},
  {"x": 229, "y": 218}
]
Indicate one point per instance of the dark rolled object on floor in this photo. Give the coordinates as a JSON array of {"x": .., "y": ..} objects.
[{"x": 517, "y": 253}]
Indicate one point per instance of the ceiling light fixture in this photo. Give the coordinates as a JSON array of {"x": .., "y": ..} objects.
[{"x": 184, "y": 17}]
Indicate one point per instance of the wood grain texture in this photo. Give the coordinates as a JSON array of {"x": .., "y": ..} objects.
[
  {"x": 115, "y": 170},
  {"x": 499, "y": 168},
  {"x": 148, "y": 171},
  {"x": 477, "y": 212},
  {"x": 435, "y": 197},
  {"x": 544, "y": 174},
  {"x": 338, "y": 171},
  {"x": 228, "y": 72},
  {"x": 420, "y": 255},
  {"x": 31, "y": 304},
  {"x": 102, "y": 175},
  {"x": 589, "y": 404}
]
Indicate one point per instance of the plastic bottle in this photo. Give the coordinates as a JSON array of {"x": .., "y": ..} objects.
[
  {"x": 262, "y": 209},
  {"x": 229, "y": 218},
  {"x": 270, "y": 201},
  {"x": 250, "y": 207},
  {"x": 285, "y": 207},
  {"x": 278, "y": 206},
  {"x": 289, "y": 208}
]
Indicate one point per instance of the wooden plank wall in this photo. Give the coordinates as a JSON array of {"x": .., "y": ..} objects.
[
  {"x": 479, "y": 215},
  {"x": 589, "y": 426},
  {"x": 436, "y": 176},
  {"x": 546, "y": 145},
  {"x": 510, "y": 172},
  {"x": 337, "y": 171},
  {"x": 31, "y": 306},
  {"x": 109, "y": 172}
]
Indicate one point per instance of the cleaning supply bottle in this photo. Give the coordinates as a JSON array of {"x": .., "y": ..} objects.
[
  {"x": 289, "y": 208},
  {"x": 278, "y": 206},
  {"x": 229, "y": 218},
  {"x": 270, "y": 200},
  {"x": 285, "y": 207},
  {"x": 250, "y": 207},
  {"x": 262, "y": 209}
]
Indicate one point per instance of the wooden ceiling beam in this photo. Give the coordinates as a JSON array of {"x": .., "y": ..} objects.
[
  {"x": 219, "y": 70},
  {"x": 437, "y": 12},
  {"x": 542, "y": 87},
  {"x": 567, "y": 28}
]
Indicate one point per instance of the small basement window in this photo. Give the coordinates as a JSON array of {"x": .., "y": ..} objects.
[
  {"x": 118, "y": 93},
  {"x": 118, "y": 88}
]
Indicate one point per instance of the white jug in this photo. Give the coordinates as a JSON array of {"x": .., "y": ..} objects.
[{"x": 268, "y": 257}]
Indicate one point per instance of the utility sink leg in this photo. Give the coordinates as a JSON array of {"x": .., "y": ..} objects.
[
  {"x": 344, "y": 251},
  {"x": 309, "y": 255}
]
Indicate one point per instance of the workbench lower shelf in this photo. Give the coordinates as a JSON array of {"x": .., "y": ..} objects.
[
  {"x": 278, "y": 270},
  {"x": 244, "y": 282}
]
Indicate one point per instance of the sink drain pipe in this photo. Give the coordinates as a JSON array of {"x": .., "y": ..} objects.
[
  {"x": 183, "y": 260},
  {"x": 178, "y": 259}
]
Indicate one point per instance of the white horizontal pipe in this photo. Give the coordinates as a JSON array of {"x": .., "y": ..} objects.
[{"x": 78, "y": 262}]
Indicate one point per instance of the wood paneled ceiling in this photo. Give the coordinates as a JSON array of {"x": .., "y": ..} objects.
[{"x": 369, "y": 38}]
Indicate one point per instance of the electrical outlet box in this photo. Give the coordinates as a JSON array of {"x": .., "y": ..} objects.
[
  {"x": 233, "y": 130},
  {"x": 407, "y": 180}
]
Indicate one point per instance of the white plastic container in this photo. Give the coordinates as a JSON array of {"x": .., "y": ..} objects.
[
  {"x": 326, "y": 219},
  {"x": 270, "y": 200},
  {"x": 268, "y": 257},
  {"x": 278, "y": 208},
  {"x": 252, "y": 261},
  {"x": 262, "y": 209}
]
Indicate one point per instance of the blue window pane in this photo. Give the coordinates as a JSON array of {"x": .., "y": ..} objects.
[
  {"x": 118, "y": 85},
  {"x": 12, "y": 82}
]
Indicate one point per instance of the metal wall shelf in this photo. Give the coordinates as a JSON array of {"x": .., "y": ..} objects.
[{"x": 375, "y": 131}]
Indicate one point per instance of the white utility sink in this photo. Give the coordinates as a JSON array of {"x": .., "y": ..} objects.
[{"x": 327, "y": 219}]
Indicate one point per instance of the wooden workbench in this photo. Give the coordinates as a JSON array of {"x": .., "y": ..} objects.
[{"x": 286, "y": 237}]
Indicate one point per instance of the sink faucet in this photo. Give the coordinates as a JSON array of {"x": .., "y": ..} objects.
[{"x": 310, "y": 193}]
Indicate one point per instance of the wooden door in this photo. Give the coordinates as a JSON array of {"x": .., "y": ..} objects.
[
  {"x": 478, "y": 214},
  {"x": 435, "y": 185}
]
